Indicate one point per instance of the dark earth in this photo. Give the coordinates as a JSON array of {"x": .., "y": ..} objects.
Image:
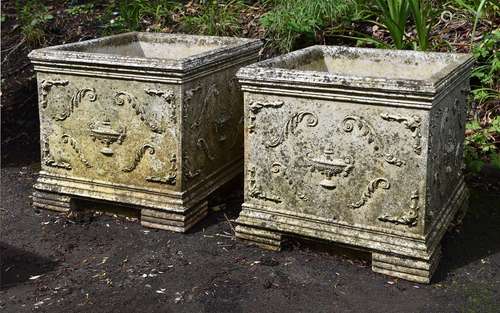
[{"x": 110, "y": 263}]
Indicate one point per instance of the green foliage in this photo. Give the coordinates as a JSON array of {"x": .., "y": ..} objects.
[
  {"x": 33, "y": 16},
  {"x": 421, "y": 12},
  {"x": 216, "y": 18},
  {"x": 481, "y": 144},
  {"x": 289, "y": 20},
  {"x": 488, "y": 8},
  {"x": 395, "y": 17},
  {"x": 130, "y": 15},
  {"x": 3, "y": 18},
  {"x": 80, "y": 9},
  {"x": 487, "y": 72}
]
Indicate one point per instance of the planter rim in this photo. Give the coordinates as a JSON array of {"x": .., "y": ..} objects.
[
  {"x": 71, "y": 54},
  {"x": 280, "y": 70}
]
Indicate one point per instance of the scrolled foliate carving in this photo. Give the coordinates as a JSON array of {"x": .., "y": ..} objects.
[
  {"x": 171, "y": 178},
  {"x": 139, "y": 154},
  {"x": 256, "y": 106},
  {"x": 370, "y": 190},
  {"x": 255, "y": 190},
  {"x": 48, "y": 158},
  {"x": 412, "y": 123},
  {"x": 151, "y": 120},
  {"x": 45, "y": 86},
  {"x": 202, "y": 144},
  {"x": 351, "y": 122},
  {"x": 408, "y": 217},
  {"x": 291, "y": 125},
  {"x": 187, "y": 169},
  {"x": 169, "y": 97},
  {"x": 67, "y": 139},
  {"x": 75, "y": 101}
]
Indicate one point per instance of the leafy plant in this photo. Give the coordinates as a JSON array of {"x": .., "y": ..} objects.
[
  {"x": 481, "y": 144},
  {"x": 421, "y": 12},
  {"x": 80, "y": 9},
  {"x": 215, "y": 18},
  {"x": 394, "y": 16},
  {"x": 289, "y": 20},
  {"x": 486, "y": 74},
  {"x": 33, "y": 15}
]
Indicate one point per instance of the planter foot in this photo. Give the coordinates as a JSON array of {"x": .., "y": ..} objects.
[
  {"x": 267, "y": 239},
  {"x": 173, "y": 221},
  {"x": 52, "y": 201},
  {"x": 412, "y": 269}
]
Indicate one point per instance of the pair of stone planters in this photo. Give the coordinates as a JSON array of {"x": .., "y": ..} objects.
[{"x": 357, "y": 146}]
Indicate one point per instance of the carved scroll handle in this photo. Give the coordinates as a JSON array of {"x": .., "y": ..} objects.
[{"x": 370, "y": 190}]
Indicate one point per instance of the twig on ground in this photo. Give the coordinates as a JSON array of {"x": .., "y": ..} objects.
[{"x": 230, "y": 224}]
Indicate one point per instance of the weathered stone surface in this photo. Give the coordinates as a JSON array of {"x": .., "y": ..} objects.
[
  {"x": 357, "y": 146},
  {"x": 149, "y": 120}
]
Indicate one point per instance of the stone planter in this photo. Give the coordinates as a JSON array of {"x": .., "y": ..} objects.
[
  {"x": 357, "y": 146},
  {"x": 147, "y": 120}
]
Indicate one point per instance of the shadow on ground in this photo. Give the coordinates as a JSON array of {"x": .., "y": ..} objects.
[{"x": 17, "y": 265}]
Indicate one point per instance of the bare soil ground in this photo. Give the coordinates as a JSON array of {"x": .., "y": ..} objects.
[{"x": 111, "y": 264}]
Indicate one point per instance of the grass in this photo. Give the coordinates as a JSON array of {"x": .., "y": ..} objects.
[
  {"x": 215, "y": 18},
  {"x": 132, "y": 15},
  {"x": 289, "y": 21}
]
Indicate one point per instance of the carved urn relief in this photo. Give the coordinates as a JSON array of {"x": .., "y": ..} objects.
[
  {"x": 357, "y": 146},
  {"x": 143, "y": 120}
]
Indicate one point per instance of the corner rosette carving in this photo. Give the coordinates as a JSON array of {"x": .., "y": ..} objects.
[
  {"x": 412, "y": 123},
  {"x": 408, "y": 217},
  {"x": 139, "y": 154},
  {"x": 67, "y": 139},
  {"x": 370, "y": 190},
  {"x": 290, "y": 127},
  {"x": 256, "y": 106}
]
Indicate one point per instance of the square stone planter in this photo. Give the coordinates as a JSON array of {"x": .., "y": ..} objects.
[
  {"x": 147, "y": 120},
  {"x": 357, "y": 146}
]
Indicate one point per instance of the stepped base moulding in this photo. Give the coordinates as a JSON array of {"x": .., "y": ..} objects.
[
  {"x": 146, "y": 120},
  {"x": 357, "y": 146}
]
